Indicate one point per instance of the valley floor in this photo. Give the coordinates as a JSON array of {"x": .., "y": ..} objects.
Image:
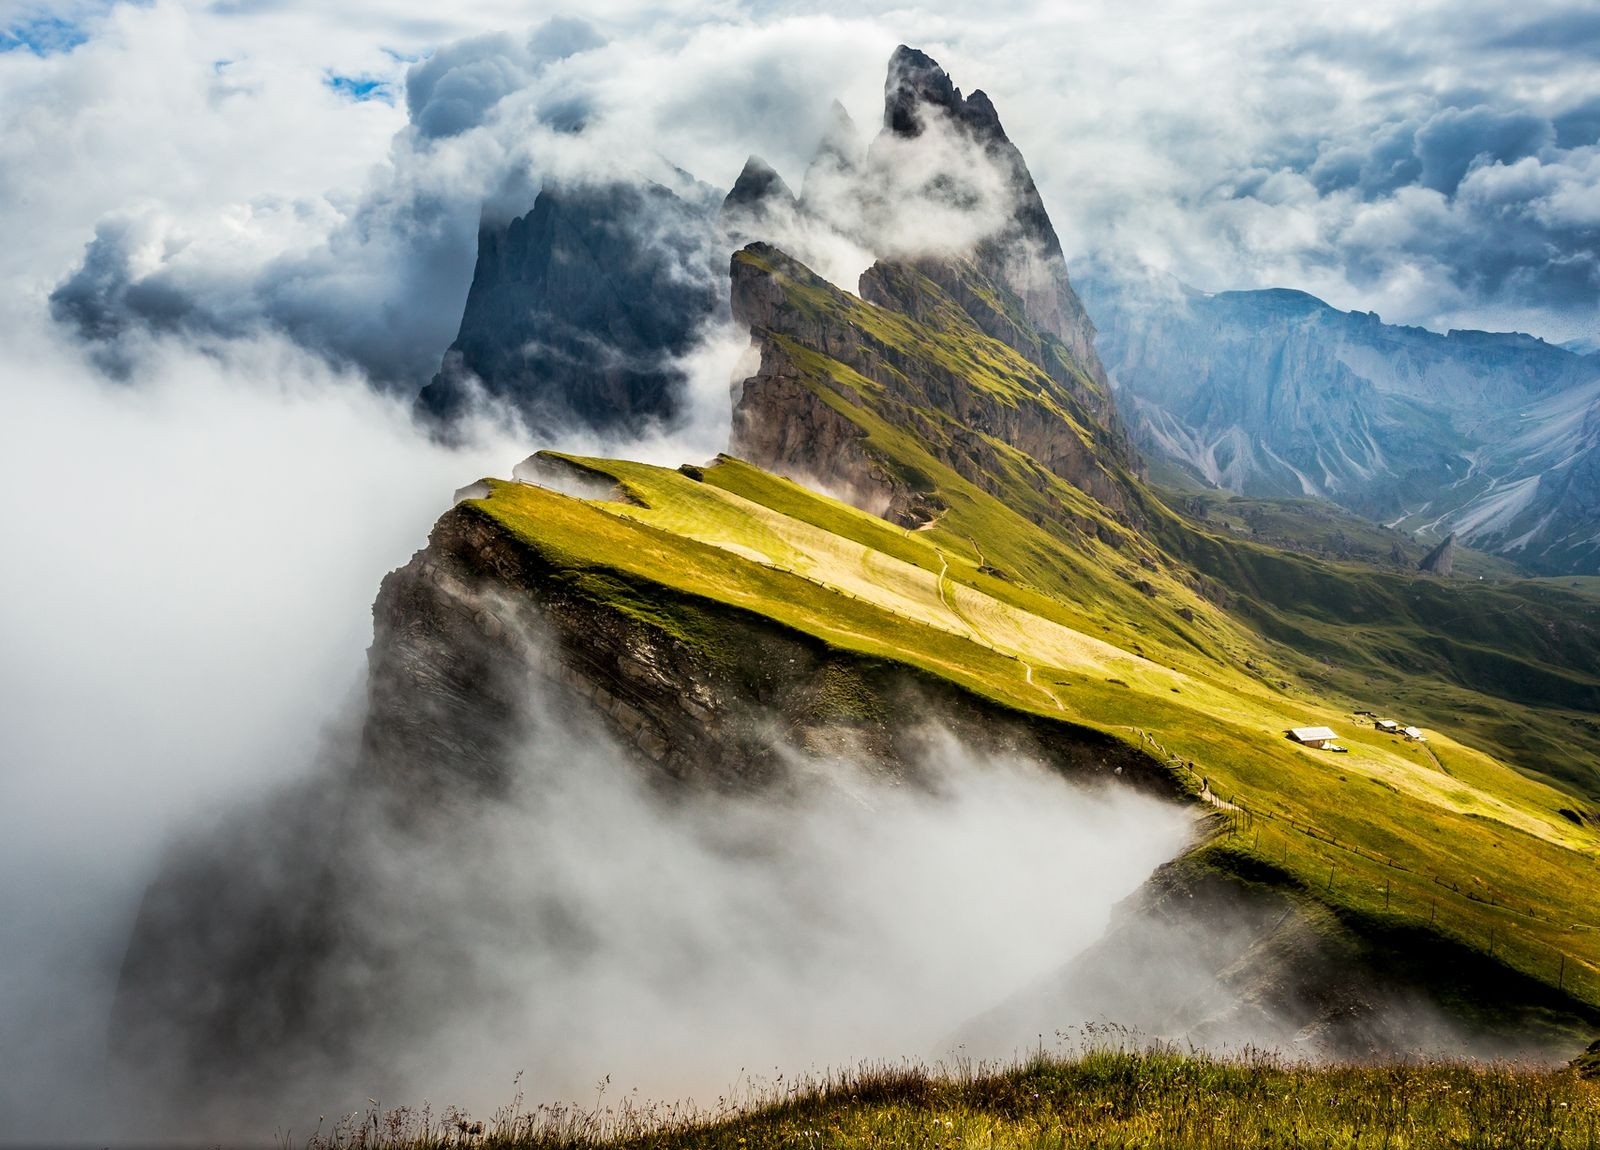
[{"x": 1161, "y": 1099}]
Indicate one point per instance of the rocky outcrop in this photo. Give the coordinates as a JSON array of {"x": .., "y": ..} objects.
[
  {"x": 580, "y": 310},
  {"x": 1441, "y": 560},
  {"x": 795, "y": 416}
]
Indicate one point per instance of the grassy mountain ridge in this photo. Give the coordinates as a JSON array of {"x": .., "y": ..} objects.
[
  {"x": 1197, "y": 648},
  {"x": 1397, "y": 821}
]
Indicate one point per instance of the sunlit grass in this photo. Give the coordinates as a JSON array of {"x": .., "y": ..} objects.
[
  {"x": 1197, "y": 649},
  {"x": 1471, "y": 848},
  {"x": 1155, "y": 1099}
]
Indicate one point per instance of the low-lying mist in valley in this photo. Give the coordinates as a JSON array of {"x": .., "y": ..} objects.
[
  {"x": 183, "y": 665},
  {"x": 591, "y": 927},
  {"x": 192, "y": 555},
  {"x": 596, "y": 924}
]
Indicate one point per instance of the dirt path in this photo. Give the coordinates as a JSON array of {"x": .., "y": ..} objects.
[
  {"x": 1027, "y": 667},
  {"x": 1436, "y": 761}
]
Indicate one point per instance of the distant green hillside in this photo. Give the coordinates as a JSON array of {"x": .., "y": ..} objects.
[{"x": 1324, "y": 530}]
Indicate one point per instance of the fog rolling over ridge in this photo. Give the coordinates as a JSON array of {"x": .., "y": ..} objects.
[{"x": 591, "y": 923}]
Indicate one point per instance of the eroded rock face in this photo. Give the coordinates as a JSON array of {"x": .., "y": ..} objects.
[
  {"x": 579, "y": 310},
  {"x": 479, "y": 624},
  {"x": 785, "y": 420},
  {"x": 258, "y": 960},
  {"x": 1442, "y": 559}
]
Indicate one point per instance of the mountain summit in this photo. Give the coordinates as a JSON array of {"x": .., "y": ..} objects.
[{"x": 582, "y": 311}]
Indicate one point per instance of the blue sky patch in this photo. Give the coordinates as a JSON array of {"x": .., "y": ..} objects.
[
  {"x": 42, "y": 35},
  {"x": 361, "y": 88}
]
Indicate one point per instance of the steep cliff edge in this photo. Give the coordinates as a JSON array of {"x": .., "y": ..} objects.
[
  {"x": 863, "y": 394},
  {"x": 492, "y": 614},
  {"x": 580, "y": 311}
]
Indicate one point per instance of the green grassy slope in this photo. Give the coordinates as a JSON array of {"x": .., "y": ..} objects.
[
  {"x": 1445, "y": 836},
  {"x": 1513, "y": 667},
  {"x": 1317, "y": 527},
  {"x": 1199, "y": 648}
]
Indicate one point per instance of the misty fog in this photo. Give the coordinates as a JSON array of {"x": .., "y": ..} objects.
[
  {"x": 593, "y": 928},
  {"x": 193, "y": 561},
  {"x": 193, "y": 548}
]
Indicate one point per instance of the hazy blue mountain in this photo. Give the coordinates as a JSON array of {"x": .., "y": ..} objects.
[{"x": 1276, "y": 393}]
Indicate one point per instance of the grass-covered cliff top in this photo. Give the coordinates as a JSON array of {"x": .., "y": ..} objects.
[
  {"x": 1441, "y": 836},
  {"x": 1071, "y": 592}
]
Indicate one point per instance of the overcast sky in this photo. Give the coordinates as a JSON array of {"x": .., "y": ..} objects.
[{"x": 320, "y": 169}]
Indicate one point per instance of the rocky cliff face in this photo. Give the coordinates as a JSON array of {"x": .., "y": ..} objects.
[
  {"x": 1274, "y": 393},
  {"x": 580, "y": 310},
  {"x": 834, "y": 368},
  {"x": 1023, "y": 254},
  {"x": 254, "y": 966}
]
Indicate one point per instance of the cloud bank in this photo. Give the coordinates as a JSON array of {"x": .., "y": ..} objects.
[{"x": 1437, "y": 164}]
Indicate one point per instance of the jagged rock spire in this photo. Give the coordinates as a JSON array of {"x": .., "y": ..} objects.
[
  {"x": 758, "y": 185},
  {"x": 915, "y": 83},
  {"x": 1025, "y": 254},
  {"x": 760, "y": 206},
  {"x": 1442, "y": 559}
]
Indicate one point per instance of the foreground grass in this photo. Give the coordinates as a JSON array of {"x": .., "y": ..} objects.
[{"x": 1114, "y": 1098}]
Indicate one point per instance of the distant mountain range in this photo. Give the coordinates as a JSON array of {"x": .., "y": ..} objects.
[{"x": 1276, "y": 393}]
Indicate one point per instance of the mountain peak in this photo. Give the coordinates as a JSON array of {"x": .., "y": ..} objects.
[
  {"x": 836, "y": 162},
  {"x": 915, "y": 80},
  {"x": 758, "y": 184},
  {"x": 915, "y": 83}
]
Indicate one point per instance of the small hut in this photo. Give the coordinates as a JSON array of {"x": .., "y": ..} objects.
[
  {"x": 1387, "y": 726},
  {"x": 1414, "y": 735},
  {"x": 1320, "y": 738}
]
